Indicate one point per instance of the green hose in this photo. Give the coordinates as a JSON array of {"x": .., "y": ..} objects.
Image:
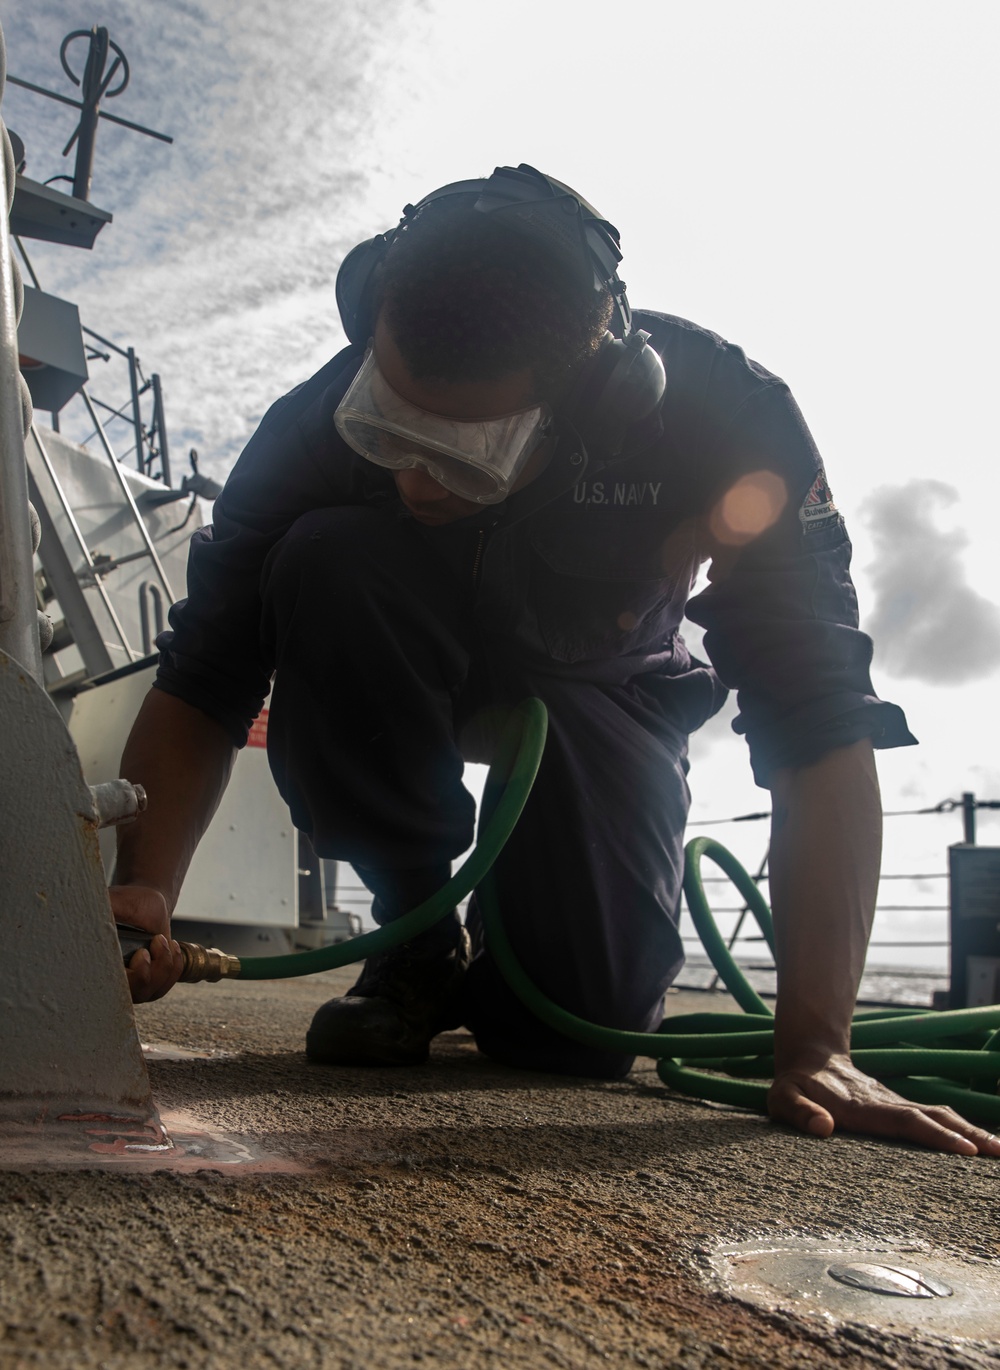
[
  {"x": 889, "y": 1044},
  {"x": 519, "y": 752}
]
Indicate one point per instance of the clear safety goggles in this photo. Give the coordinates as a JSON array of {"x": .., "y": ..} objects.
[{"x": 478, "y": 459}]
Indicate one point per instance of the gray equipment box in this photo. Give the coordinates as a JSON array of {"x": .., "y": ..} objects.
[
  {"x": 50, "y": 346},
  {"x": 975, "y": 925}
]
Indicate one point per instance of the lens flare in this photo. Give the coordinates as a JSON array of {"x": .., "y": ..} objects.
[{"x": 748, "y": 508}]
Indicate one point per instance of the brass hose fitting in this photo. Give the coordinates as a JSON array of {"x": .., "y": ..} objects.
[
  {"x": 207, "y": 963},
  {"x": 200, "y": 963}
]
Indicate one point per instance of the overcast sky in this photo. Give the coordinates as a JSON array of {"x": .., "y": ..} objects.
[{"x": 815, "y": 181}]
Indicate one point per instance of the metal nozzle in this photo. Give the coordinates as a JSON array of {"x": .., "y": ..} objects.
[
  {"x": 116, "y": 801},
  {"x": 207, "y": 963},
  {"x": 200, "y": 963}
]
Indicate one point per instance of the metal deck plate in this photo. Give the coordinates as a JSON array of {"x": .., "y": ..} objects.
[
  {"x": 171, "y": 1140},
  {"x": 903, "y": 1288}
]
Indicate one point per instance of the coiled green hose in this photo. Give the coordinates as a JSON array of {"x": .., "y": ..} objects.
[{"x": 891, "y": 1045}]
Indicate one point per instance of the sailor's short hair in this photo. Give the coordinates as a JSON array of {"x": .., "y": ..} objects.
[{"x": 468, "y": 299}]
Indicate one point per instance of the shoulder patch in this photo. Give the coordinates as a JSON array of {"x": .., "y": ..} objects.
[{"x": 818, "y": 508}]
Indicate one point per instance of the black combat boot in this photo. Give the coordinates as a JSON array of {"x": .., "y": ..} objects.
[{"x": 403, "y": 997}]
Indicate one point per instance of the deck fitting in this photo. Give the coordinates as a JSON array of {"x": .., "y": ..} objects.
[
  {"x": 896, "y": 1281},
  {"x": 901, "y": 1287}
]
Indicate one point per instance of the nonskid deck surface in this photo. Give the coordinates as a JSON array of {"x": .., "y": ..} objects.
[{"x": 466, "y": 1215}]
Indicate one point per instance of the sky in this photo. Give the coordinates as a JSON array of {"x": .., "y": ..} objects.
[{"x": 813, "y": 181}]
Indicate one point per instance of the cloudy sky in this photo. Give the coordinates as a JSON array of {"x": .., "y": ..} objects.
[{"x": 812, "y": 180}]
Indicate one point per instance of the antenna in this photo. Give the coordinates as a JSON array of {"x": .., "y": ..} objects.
[{"x": 94, "y": 86}]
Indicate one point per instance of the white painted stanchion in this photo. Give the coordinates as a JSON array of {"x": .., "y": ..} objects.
[
  {"x": 69, "y": 1043},
  {"x": 69, "y": 1037}
]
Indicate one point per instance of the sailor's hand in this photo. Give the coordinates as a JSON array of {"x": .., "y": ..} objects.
[
  {"x": 833, "y": 1093},
  {"x": 150, "y": 973}
]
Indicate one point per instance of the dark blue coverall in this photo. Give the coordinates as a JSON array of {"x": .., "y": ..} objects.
[{"x": 386, "y": 638}]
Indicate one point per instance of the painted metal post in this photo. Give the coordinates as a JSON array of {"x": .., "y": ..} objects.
[
  {"x": 969, "y": 818},
  {"x": 69, "y": 1038},
  {"x": 160, "y": 425},
  {"x": 140, "y": 437},
  {"x": 18, "y": 613},
  {"x": 92, "y": 89}
]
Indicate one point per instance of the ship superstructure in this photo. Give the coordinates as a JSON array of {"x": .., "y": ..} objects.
[{"x": 115, "y": 527}]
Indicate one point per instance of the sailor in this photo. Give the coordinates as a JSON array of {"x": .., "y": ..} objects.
[{"x": 505, "y": 486}]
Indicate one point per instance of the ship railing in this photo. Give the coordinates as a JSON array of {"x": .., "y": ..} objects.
[
  {"x": 86, "y": 632},
  {"x": 149, "y": 440},
  {"x": 746, "y": 945}
]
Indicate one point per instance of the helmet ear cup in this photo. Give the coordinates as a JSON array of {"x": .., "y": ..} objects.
[
  {"x": 355, "y": 287},
  {"x": 622, "y": 385},
  {"x": 637, "y": 381}
]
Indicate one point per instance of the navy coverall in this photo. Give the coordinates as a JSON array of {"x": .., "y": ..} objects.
[{"x": 387, "y": 638}]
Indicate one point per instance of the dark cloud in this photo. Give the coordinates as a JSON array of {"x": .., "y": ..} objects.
[{"x": 928, "y": 623}]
